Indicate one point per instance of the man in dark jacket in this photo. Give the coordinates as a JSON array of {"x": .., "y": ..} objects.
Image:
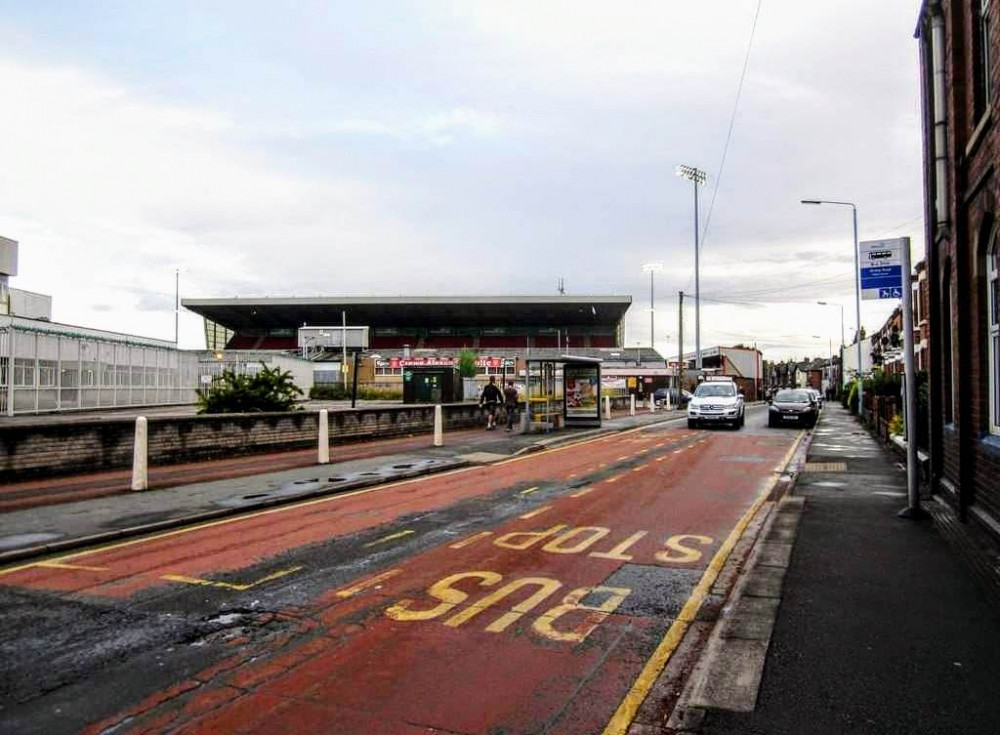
[
  {"x": 510, "y": 404},
  {"x": 491, "y": 398}
]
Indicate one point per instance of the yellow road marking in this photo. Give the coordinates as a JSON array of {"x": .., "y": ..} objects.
[
  {"x": 640, "y": 467},
  {"x": 529, "y": 490},
  {"x": 536, "y": 512},
  {"x": 59, "y": 565},
  {"x": 613, "y": 479},
  {"x": 582, "y": 492},
  {"x": 228, "y": 585},
  {"x": 660, "y": 459},
  {"x": 390, "y": 537},
  {"x": 678, "y": 451},
  {"x": 624, "y": 456},
  {"x": 571, "y": 476},
  {"x": 294, "y": 506},
  {"x": 602, "y": 465},
  {"x": 365, "y": 584},
  {"x": 629, "y": 707},
  {"x": 470, "y": 539}
]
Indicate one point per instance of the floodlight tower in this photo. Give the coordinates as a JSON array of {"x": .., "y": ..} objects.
[{"x": 698, "y": 177}]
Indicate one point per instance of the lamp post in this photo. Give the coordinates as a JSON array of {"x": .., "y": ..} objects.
[
  {"x": 857, "y": 290},
  {"x": 698, "y": 177},
  {"x": 841, "y": 353},
  {"x": 652, "y": 268}
]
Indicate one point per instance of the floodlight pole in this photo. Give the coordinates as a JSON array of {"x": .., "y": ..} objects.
[
  {"x": 857, "y": 293},
  {"x": 652, "y": 268}
]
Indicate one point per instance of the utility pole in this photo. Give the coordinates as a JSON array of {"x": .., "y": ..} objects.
[
  {"x": 680, "y": 345},
  {"x": 343, "y": 349},
  {"x": 696, "y": 175},
  {"x": 912, "y": 509}
]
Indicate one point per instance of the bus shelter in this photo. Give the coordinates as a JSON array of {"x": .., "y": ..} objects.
[{"x": 563, "y": 391}]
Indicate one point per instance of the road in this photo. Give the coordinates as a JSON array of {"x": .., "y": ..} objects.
[{"x": 538, "y": 595}]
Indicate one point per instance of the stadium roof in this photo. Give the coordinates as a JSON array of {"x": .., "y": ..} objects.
[{"x": 413, "y": 311}]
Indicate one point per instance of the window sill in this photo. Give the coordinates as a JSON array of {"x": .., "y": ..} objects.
[
  {"x": 977, "y": 135},
  {"x": 991, "y": 442}
]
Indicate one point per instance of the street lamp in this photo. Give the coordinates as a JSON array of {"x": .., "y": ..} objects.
[
  {"x": 652, "y": 268},
  {"x": 696, "y": 175},
  {"x": 841, "y": 306},
  {"x": 857, "y": 290}
]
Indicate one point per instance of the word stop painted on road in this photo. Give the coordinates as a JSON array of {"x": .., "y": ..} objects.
[{"x": 549, "y": 624}]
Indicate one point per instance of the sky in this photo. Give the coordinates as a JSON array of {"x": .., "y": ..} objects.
[{"x": 343, "y": 148}]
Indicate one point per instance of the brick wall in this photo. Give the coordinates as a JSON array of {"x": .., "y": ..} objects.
[
  {"x": 963, "y": 453},
  {"x": 39, "y": 449}
]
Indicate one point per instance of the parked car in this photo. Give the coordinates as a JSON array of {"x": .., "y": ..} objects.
[
  {"x": 818, "y": 395},
  {"x": 794, "y": 406},
  {"x": 716, "y": 402},
  {"x": 660, "y": 396}
]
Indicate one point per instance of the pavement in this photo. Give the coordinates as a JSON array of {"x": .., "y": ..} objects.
[
  {"x": 882, "y": 626},
  {"x": 46, "y": 516}
]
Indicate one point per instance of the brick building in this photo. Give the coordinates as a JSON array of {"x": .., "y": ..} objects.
[{"x": 960, "y": 64}]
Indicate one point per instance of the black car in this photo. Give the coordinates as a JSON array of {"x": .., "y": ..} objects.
[
  {"x": 660, "y": 396},
  {"x": 793, "y": 406}
]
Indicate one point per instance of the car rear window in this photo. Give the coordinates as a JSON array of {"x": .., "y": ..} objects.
[{"x": 792, "y": 396}]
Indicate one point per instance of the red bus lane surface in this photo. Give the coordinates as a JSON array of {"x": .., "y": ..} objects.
[{"x": 539, "y": 621}]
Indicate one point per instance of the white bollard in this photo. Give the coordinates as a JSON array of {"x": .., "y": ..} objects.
[
  {"x": 607, "y": 408},
  {"x": 631, "y": 404},
  {"x": 324, "y": 437},
  {"x": 652, "y": 403},
  {"x": 438, "y": 426},
  {"x": 140, "y": 455}
]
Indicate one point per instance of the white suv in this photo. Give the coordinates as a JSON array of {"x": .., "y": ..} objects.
[{"x": 716, "y": 402}]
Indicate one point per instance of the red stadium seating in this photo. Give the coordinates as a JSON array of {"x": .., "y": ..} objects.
[
  {"x": 602, "y": 341},
  {"x": 448, "y": 342},
  {"x": 546, "y": 340},
  {"x": 510, "y": 340},
  {"x": 277, "y": 343},
  {"x": 241, "y": 342}
]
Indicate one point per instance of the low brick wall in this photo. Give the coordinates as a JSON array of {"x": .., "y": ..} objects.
[{"x": 41, "y": 449}]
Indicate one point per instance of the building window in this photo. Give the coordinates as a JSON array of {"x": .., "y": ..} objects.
[
  {"x": 983, "y": 60},
  {"x": 993, "y": 322},
  {"x": 948, "y": 347}
]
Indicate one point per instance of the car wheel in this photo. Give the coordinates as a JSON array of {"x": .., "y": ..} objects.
[
  {"x": 692, "y": 424},
  {"x": 743, "y": 419},
  {"x": 770, "y": 422}
]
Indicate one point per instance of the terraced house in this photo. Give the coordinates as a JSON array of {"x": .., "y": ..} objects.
[{"x": 961, "y": 103}]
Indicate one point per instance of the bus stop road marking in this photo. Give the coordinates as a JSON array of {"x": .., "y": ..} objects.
[
  {"x": 536, "y": 512},
  {"x": 529, "y": 490},
  {"x": 580, "y": 493},
  {"x": 469, "y": 540},
  {"x": 370, "y": 582},
  {"x": 390, "y": 537},
  {"x": 229, "y": 585},
  {"x": 73, "y": 567}
]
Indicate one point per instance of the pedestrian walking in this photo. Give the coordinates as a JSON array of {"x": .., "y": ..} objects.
[
  {"x": 491, "y": 398},
  {"x": 510, "y": 404}
]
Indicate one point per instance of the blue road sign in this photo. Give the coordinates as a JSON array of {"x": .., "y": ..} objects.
[{"x": 881, "y": 269}]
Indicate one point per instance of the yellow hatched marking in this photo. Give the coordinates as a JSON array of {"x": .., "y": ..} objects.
[
  {"x": 536, "y": 512},
  {"x": 602, "y": 465},
  {"x": 629, "y": 707},
  {"x": 624, "y": 456},
  {"x": 678, "y": 451},
  {"x": 613, "y": 479},
  {"x": 529, "y": 491},
  {"x": 365, "y": 584},
  {"x": 468, "y": 540},
  {"x": 228, "y": 585},
  {"x": 75, "y": 567},
  {"x": 390, "y": 537},
  {"x": 581, "y": 493},
  {"x": 570, "y": 476},
  {"x": 660, "y": 459},
  {"x": 640, "y": 468}
]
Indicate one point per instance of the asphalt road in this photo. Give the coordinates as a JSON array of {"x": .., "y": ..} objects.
[{"x": 527, "y": 596}]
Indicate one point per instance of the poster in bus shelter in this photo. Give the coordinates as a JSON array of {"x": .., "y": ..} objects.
[{"x": 582, "y": 391}]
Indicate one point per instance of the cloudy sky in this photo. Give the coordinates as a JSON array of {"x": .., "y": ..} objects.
[{"x": 457, "y": 148}]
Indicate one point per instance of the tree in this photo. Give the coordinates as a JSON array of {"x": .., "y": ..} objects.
[
  {"x": 467, "y": 363},
  {"x": 268, "y": 390}
]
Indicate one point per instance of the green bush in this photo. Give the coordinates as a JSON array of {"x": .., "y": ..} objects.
[
  {"x": 467, "y": 363},
  {"x": 268, "y": 390},
  {"x": 896, "y": 425},
  {"x": 852, "y": 398},
  {"x": 882, "y": 383}
]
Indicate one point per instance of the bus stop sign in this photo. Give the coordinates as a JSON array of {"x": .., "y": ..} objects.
[{"x": 881, "y": 268}]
